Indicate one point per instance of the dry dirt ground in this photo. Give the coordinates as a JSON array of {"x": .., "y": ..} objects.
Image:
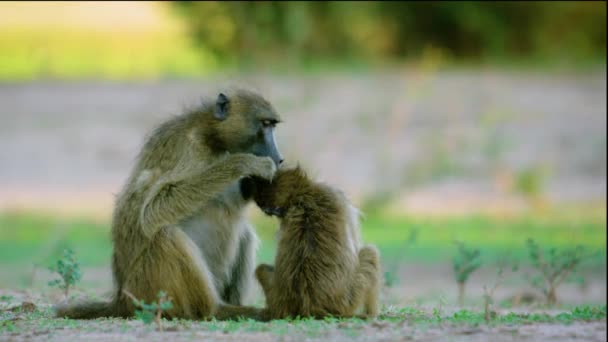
[
  {"x": 46, "y": 329},
  {"x": 432, "y": 290},
  {"x": 594, "y": 331}
]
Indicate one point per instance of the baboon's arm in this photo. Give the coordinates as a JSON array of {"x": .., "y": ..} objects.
[
  {"x": 265, "y": 274},
  {"x": 367, "y": 280},
  {"x": 179, "y": 193}
]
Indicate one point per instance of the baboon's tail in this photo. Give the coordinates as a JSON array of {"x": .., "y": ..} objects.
[
  {"x": 88, "y": 310},
  {"x": 227, "y": 312}
]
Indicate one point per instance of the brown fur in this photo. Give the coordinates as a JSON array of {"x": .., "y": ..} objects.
[
  {"x": 178, "y": 223},
  {"x": 320, "y": 268}
]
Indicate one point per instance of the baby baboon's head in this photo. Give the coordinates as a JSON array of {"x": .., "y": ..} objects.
[{"x": 276, "y": 196}]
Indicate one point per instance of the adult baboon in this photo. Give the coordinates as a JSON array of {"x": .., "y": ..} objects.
[{"x": 179, "y": 223}]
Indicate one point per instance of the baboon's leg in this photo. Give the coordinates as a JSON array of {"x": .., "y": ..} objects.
[
  {"x": 366, "y": 285},
  {"x": 265, "y": 273},
  {"x": 241, "y": 278},
  {"x": 174, "y": 264}
]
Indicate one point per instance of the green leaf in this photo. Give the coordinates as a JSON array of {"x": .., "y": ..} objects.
[
  {"x": 54, "y": 282},
  {"x": 166, "y": 306},
  {"x": 144, "y": 316}
]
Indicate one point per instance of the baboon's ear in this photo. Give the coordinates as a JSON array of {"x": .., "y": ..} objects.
[{"x": 221, "y": 107}]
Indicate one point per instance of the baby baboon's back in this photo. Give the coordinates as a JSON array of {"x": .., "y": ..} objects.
[{"x": 320, "y": 268}]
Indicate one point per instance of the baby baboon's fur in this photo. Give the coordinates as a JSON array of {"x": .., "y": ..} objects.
[
  {"x": 179, "y": 224},
  {"x": 320, "y": 267}
]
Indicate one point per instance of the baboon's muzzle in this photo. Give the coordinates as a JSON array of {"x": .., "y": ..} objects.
[{"x": 273, "y": 151}]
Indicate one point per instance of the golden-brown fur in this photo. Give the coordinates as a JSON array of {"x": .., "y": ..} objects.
[
  {"x": 320, "y": 267},
  {"x": 179, "y": 224}
]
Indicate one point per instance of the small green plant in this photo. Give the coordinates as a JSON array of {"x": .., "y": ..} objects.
[
  {"x": 69, "y": 271},
  {"x": 6, "y": 298},
  {"x": 437, "y": 311},
  {"x": 390, "y": 275},
  {"x": 152, "y": 312},
  {"x": 553, "y": 267},
  {"x": 530, "y": 184},
  {"x": 488, "y": 294},
  {"x": 390, "y": 279},
  {"x": 412, "y": 237},
  {"x": 466, "y": 261}
]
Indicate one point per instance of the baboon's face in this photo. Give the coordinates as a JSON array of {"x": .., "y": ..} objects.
[
  {"x": 245, "y": 123},
  {"x": 276, "y": 196}
]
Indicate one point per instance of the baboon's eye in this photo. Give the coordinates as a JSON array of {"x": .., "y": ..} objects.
[{"x": 269, "y": 123}]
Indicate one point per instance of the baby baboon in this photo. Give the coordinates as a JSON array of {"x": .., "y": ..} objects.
[
  {"x": 320, "y": 267},
  {"x": 179, "y": 224}
]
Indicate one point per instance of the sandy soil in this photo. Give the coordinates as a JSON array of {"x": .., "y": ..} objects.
[
  {"x": 431, "y": 288},
  {"x": 583, "y": 331},
  {"x": 374, "y": 330}
]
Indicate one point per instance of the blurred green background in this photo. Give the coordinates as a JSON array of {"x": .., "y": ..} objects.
[
  {"x": 189, "y": 39},
  {"x": 475, "y": 121}
]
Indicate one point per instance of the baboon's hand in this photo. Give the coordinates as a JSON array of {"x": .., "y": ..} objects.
[
  {"x": 263, "y": 271},
  {"x": 246, "y": 164},
  {"x": 263, "y": 167},
  {"x": 264, "y": 268}
]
